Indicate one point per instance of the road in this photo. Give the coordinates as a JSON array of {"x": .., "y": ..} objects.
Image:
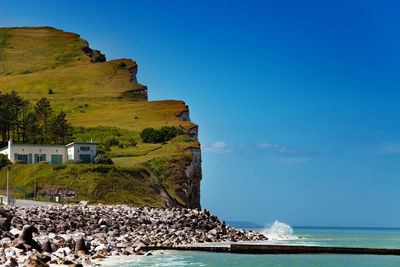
[{"x": 29, "y": 203}]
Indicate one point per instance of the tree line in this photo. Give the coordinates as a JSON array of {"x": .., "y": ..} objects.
[{"x": 33, "y": 124}]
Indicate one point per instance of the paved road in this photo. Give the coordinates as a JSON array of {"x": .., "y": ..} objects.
[
  {"x": 28, "y": 203},
  {"x": 31, "y": 203}
]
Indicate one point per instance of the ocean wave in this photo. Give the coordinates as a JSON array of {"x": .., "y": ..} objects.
[{"x": 279, "y": 231}]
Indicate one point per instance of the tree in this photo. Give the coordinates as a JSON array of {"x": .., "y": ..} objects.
[
  {"x": 4, "y": 161},
  {"x": 12, "y": 110},
  {"x": 43, "y": 113},
  {"x": 102, "y": 159},
  {"x": 60, "y": 129},
  {"x": 16, "y": 104},
  {"x": 31, "y": 131},
  {"x": 166, "y": 133},
  {"x": 150, "y": 135}
]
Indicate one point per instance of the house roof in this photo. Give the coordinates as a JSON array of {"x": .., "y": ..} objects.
[
  {"x": 38, "y": 145},
  {"x": 82, "y": 143}
]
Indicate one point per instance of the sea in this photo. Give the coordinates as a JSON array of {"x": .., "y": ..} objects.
[{"x": 281, "y": 233}]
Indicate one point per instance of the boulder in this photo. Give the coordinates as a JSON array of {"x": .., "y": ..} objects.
[
  {"x": 25, "y": 240},
  {"x": 81, "y": 245},
  {"x": 46, "y": 246}
]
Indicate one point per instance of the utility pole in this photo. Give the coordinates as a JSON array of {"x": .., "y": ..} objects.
[
  {"x": 8, "y": 185},
  {"x": 34, "y": 190}
]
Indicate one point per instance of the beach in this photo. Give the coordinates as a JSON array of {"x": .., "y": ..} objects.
[{"x": 81, "y": 234}]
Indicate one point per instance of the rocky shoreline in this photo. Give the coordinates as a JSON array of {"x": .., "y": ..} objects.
[{"x": 82, "y": 234}]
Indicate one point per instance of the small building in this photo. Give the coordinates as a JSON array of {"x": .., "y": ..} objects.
[{"x": 53, "y": 154}]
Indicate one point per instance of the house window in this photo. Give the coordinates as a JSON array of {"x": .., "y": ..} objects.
[
  {"x": 23, "y": 158},
  {"x": 40, "y": 157},
  {"x": 85, "y": 148}
]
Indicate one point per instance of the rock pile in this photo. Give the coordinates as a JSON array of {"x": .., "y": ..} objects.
[{"x": 62, "y": 234}]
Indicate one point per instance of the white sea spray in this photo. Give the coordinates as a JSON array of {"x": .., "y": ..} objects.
[{"x": 279, "y": 231}]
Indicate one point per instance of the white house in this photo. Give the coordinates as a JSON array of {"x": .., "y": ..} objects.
[{"x": 53, "y": 154}]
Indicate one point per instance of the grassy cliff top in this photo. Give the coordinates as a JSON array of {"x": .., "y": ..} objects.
[
  {"x": 37, "y": 60},
  {"x": 33, "y": 49},
  {"x": 41, "y": 62}
]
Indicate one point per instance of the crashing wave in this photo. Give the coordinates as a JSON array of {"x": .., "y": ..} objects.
[{"x": 279, "y": 231}]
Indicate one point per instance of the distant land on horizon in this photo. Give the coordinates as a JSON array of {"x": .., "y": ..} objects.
[{"x": 243, "y": 224}]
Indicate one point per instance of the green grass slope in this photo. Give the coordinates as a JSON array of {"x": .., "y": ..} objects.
[
  {"x": 108, "y": 184},
  {"x": 34, "y": 60},
  {"x": 33, "y": 49}
]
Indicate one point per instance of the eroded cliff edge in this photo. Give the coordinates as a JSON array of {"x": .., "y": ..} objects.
[{"x": 98, "y": 93}]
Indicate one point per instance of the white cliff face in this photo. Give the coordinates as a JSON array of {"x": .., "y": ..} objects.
[
  {"x": 192, "y": 133},
  {"x": 194, "y": 174},
  {"x": 191, "y": 190},
  {"x": 196, "y": 161},
  {"x": 133, "y": 71},
  {"x": 135, "y": 94},
  {"x": 184, "y": 116}
]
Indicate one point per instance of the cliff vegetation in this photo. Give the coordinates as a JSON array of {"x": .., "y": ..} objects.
[{"x": 104, "y": 101}]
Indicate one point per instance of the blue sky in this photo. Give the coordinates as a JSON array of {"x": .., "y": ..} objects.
[{"x": 297, "y": 101}]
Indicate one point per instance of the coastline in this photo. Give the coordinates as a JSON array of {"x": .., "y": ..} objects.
[
  {"x": 88, "y": 235},
  {"x": 80, "y": 234}
]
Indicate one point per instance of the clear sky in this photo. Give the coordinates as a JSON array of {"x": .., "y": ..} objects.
[{"x": 297, "y": 101}]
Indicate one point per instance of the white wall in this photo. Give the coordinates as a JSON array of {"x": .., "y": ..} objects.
[
  {"x": 6, "y": 152},
  {"x": 75, "y": 150},
  {"x": 32, "y": 149}
]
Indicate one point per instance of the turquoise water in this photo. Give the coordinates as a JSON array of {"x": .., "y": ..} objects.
[
  {"x": 351, "y": 237},
  {"x": 348, "y": 237}
]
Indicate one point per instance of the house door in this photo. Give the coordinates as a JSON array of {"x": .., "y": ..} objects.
[
  {"x": 56, "y": 159},
  {"x": 85, "y": 158}
]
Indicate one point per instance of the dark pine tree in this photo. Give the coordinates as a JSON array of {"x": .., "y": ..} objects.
[
  {"x": 60, "y": 128},
  {"x": 43, "y": 113}
]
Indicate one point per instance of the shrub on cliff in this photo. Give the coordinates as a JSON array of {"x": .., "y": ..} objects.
[
  {"x": 4, "y": 161},
  {"x": 74, "y": 161},
  {"x": 102, "y": 159},
  {"x": 150, "y": 135},
  {"x": 121, "y": 65},
  {"x": 168, "y": 133}
]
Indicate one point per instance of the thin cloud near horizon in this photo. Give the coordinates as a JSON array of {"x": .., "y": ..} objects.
[{"x": 275, "y": 152}]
